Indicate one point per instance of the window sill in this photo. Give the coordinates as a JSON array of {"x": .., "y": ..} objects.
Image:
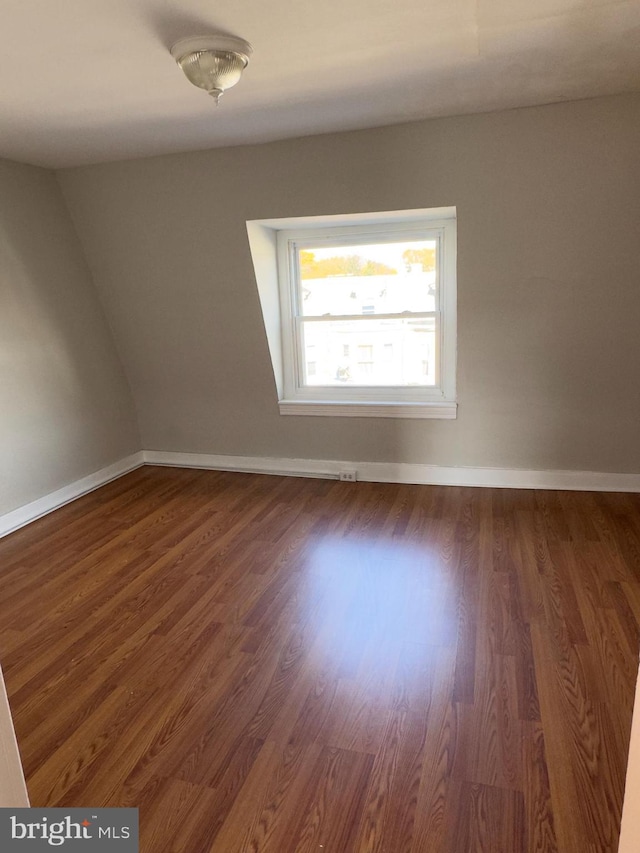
[{"x": 331, "y": 408}]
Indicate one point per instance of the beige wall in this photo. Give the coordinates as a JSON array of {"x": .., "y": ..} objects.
[
  {"x": 548, "y": 204},
  {"x": 65, "y": 406}
]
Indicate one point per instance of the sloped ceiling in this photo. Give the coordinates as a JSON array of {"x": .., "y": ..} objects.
[{"x": 87, "y": 81}]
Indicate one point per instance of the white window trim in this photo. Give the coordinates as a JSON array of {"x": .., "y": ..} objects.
[
  {"x": 363, "y": 401},
  {"x": 263, "y": 244}
]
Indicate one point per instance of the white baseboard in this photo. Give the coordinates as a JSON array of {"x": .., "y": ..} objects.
[
  {"x": 391, "y": 472},
  {"x": 17, "y": 518},
  {"x": 375, "y": 472}
]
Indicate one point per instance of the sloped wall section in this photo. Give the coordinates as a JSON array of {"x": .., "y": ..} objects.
[{"x": 66, "y": 406}]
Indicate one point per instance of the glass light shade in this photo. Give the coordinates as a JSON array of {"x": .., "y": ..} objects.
[
  {"x": 213, "y": 63},
  {"x": 214, "y": 72}
]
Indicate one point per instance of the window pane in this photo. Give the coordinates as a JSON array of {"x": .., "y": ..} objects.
[
  {"x": 370, "y": 278},
  {"x": 398, "y": 352}
]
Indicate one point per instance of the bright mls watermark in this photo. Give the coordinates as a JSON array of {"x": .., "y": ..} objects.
[{"x": 82, "y": 830}]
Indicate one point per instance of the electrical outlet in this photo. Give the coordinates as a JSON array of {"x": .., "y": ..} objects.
[{"x": 348, "y": 476}]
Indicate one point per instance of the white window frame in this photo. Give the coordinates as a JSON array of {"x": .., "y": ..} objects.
[{"x": 365, "y": 401}]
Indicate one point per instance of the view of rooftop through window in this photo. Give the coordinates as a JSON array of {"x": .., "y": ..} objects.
[{"x": 369, "y": 313}]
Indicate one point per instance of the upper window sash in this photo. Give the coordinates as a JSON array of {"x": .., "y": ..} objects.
[{"x": 358, "y": 236}]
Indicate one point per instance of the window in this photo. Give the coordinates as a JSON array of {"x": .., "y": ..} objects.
[{"x": 372, "y": 306}]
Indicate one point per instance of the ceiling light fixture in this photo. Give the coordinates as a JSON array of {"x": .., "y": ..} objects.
[{"x": 213, "y": 63}]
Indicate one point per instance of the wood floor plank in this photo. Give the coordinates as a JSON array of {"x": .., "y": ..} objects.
[
  {"x": 540, "y": 826},
  {"x": 331, "y": 807},
  {"x": 281, "y": 665},
  {"x": 389, "y": 813},
  {"x": 491, "y": 820}
]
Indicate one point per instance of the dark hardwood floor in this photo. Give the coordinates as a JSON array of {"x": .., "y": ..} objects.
[{"x": 290, "y": 665}]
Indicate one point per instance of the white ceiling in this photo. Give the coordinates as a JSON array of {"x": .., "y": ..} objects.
[{"x": 85, "y": 81}]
